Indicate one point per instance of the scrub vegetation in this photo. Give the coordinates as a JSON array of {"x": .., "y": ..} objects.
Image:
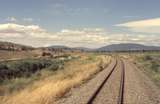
[
  {"x": 150, "y": 62},
  {"x": 49, "y": 83},
  {"x": 15, "y": 75}
]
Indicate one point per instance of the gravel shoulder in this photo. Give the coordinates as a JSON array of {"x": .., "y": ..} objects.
[{"x": 139, "y": 89}]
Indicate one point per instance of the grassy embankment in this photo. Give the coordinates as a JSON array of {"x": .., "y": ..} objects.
[
  {"x": 47, "y": 89},
  {"x": 150, "y": 62}
]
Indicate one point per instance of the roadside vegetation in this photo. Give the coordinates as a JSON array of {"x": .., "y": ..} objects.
[
  {"x": 15, "y": 75},
  {"x": 150, "y": 62},
  {"x": 51, "y": 84}
]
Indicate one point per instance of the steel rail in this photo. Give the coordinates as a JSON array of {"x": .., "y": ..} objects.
[
  {"x": 122, "y": 85},
  {"x": 91, "y": 99}
]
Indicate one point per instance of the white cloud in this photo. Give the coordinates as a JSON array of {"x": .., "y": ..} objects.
[
  {"x": 28, "y": 19},
  {"x": 10, "y": 35},
  {"x": 32, "y": 32},
  {"x": 130, "y": 16},
  {"x": 14, "y": 19},
  {"x": 21, "y": 29},
  {"x": 63, "y": 9},
  {"x": 145, "y": 26},
  {"x": 11, "y": 19},
  {"x": 88, "y": 37}
]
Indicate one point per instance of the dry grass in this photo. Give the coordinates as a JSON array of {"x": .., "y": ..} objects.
[
  {"x": 149, "y": 63},
  {"x": 13, "y": 55},
  {"x": 46, "y": 91}
]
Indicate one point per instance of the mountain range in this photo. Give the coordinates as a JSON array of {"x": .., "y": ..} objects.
[
  {"x": 112, "y": 47},
  {"x": 127, "y": 47}
]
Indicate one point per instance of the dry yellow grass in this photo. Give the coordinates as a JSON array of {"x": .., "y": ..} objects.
[
  {"x": 6, "y": 55},
  {"x": 48, "y": 90}
]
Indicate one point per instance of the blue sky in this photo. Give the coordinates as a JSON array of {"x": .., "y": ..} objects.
[{"x": 54, "y": 16}]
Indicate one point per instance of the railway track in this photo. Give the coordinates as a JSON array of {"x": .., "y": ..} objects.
[
  {"x": 120, "y": 97},
  {"x": 122, "y": 82}
]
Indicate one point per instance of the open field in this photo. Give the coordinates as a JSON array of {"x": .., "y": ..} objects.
[{"x": 45, "y": 86}]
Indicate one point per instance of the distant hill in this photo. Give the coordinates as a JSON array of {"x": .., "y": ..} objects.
[
  {"x": 114, "y": 47},
  {"x": 65, "y": 48},
  {"x": 14, "y": 47},
  {"x": 127, "y": 47},
  {"x": 58, "y": 47},
  {"x": 82, "y": 48}
]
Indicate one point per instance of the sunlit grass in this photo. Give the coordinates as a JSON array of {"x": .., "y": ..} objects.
[{"x": 47, "y": 90}]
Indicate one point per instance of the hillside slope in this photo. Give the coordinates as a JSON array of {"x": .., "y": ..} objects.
[{"x": 127, "y": 47}]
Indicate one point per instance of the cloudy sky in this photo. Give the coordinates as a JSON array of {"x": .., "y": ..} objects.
[{"x": 80, "y": 23}]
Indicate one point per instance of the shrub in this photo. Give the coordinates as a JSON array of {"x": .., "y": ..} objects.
[
  {"x": 155, "y": 66},
  {"x": 147, "y": 57},
  {"x": 101, "y": 65},
  {"x": 26, "y": 68}
]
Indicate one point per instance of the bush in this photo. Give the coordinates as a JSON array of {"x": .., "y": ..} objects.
[
  {"x": 155, "y": 66},
  {"x": 147, "y": 57},
  {"x": 101, "y": 65},
  {"x": 26, "y": 68}
]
